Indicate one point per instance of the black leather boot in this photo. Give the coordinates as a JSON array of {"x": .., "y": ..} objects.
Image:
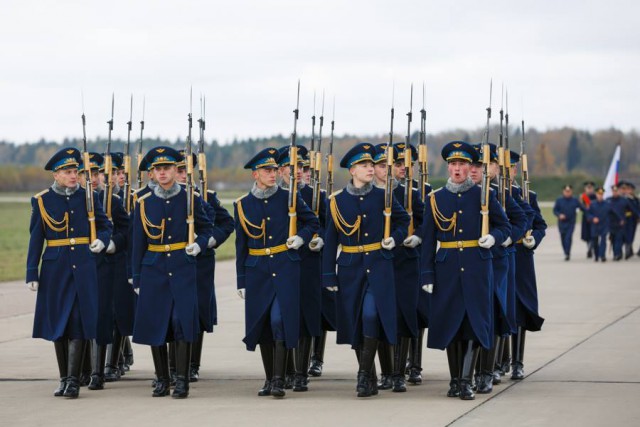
[
  {"x": 367, "y": 358},
  {"x": 74, "y": 366},
  {"x": 172, "y": 362},
  {"x": 505, "y": 359},
  {"x": 62, "y": 356},
  {"x": 453, "y": 358},
  {"x": 317, "y": 356},
  {"x": 280, "y": 353},
  {"x": 98, "y": 357},
  {"x": 302, "y": 353},
  {"x": 487, "y": 362},
  {"x": 127, "y": 353},
  {"x": 183, "y": 364},
  {"x": 85, "y": 366},
  {"x": 374, "y": 380},
  {"x": 415, "y": 359},
  {"x": 196, "y": 356},
  {"x": 161, "y": 365},
  {"x": 497, "y": 369},
  {"x": 468, "y": 361},
  {"x": 399, "y": 362},
  {"x": 266, "y": 352},
  {"x": 290, "y": 371},
  {"x": 111, "y": 371},
  {"x": 385, "y": 356},
  {"x": 517, "y": 344}
]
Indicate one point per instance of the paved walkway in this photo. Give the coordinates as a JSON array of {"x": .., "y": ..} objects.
[{"x": 582, "y": 368}]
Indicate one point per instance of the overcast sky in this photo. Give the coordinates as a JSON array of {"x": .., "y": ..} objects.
[{"x": 567, "y": 62}]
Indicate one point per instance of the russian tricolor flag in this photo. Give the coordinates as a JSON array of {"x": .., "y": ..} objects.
[{"x": 612, "y": 175}]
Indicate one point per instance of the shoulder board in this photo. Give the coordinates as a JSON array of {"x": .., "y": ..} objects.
[
  {"x": 42, "y": 193},
  {"x": 211, "y": 192},
  {"x": 335, "y": 193},
  {"x": 197, "y": 193},
  {"x": 139, "y": 189},
  {"x": 533, "y": 192},
  {"x": 436, "y": 190},
  {"x": 491, "y": 188},
  {"x": 144, "y": 197},
  {"x": 241, "y": 197},
  {"x": 116, "y": 196}
]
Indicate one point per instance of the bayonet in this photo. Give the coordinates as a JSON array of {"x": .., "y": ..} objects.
[
  {"x": 86, "y": 160},
  {"x": 108, "y": 165},
  {"x": 293, "y": 170}
]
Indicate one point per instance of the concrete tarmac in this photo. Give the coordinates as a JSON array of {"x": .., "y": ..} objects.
[{"x": 582, "y": 368}]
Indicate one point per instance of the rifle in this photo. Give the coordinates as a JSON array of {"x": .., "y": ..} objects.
[
  {"x": 202, "y": 157},
  {"x": 91, "y": 213},
  {"x": 189, "y": 163},
  {"x": 330, "y": 154},
  {"x": 502, "y": 184},
  {"x": 108, "y": 166},
  {"x": 408, "y": 165},
  {"x": 127, "y": 162},
  {"x": 293, "y": 171},
  {"x": 507, "y": 152},
  {"x": 317, "y": 170},
  {"x": 388, "y": 190},
  {"x": 422, "y": 150},
  {"x": 525, "y": 168},
  {"x": 486, "y": 184},
  {"x": 312, "y": 155},
  {"x": 139, "y": 172}
]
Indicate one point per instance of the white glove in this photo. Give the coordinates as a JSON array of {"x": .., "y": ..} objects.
[
  {"x": 388, "y": 243},
  {"x": 331, "y": 288},
  {"x": 111, "y": 249},
  {"x": 96, "y": 246},
  {"x": 487, "y": 241},
  {"x": 193, "y": 249},
  {"x": 241, "y": 293},
  {"x": 212, "y": 242},
  {"x": 428, "y": 288},
  {"x": 507, "y": 242},
  {"x": 529, "y": 242},
  {"x": 412, "y": 241},
  {"x": 136, "y": 290},
  {"x": 32, "y": 286},
  {"x": 294, "y": 242},
  {"x": 316, "y": 244},
  {"x": 130, "y": 280}
]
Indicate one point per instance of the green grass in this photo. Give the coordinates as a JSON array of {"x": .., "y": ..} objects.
[{"x": 14, "y": 240}]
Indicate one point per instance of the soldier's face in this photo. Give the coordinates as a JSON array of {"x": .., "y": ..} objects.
[
  {"x": 362, "y": 172},
  {"x": 120, "y": 177},
  {"x": 493, "y": 170},
  {"x": 458, "y": 171},
  {"x": 399, "y": 170},
  {"x": 181, "y": 175},
  {"x": 265, "y": 177},
  {"x": 514, "y": 172},
  {"x": 66, "y": 177},
  {"x": 475, "y": 172},
  {"x": 588, "y": 189},
  {"x": 306, "y": 174},
  {"x": 567, "y": 192},
  {"x": 165, "y": 175},
  {"x": 96, "y": 179},
  {"x": 284, "y": 172},
  {"x": 600, "y": 196},
  {"x": 380, "y": 171}
]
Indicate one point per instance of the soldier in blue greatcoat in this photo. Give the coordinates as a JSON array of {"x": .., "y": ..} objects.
[
  {"x": 600, "y": 215},
  {"x": 565, "y": 209},
  {"x": 459, "y": 272},
  {"x": 631, "y": 215},
  {"x": 364, "y": 280},
  {"x": 620, "y": 206},
  {"x": 587, "y": 196},
  {"x": 164, "y": 270},
  {"x": 268, "y": 266},
  {"x": 66, "y": 279}
]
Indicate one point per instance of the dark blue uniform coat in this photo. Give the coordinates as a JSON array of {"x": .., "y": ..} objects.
[
  {"x": 604, "y": 212},
  {"x": 358, "y": 273},
  {"x": 462, "y": 279},
  {"x": 124, "y": 298},
  {"x": 68, "y": 280},
  {"x": 266, "y": 278},
  {"x": 424, "y": 299},
  {"x": 568, "y": 207}
]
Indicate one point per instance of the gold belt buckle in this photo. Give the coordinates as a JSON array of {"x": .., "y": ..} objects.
[
  {"x": 167, "y": 248},
  {"x": 459, "y": 244},
  {"x": 360, "y": 248},
  {"x": 72, "y": 241},
  {"x": 267, "y": 251}
]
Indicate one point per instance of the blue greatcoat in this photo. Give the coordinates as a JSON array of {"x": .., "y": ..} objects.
[
  {"x": 124, "y": 298},
  {"x": 67, "y": 300},
  {"x": 364, "y": 272},
  {"x": 631, "y": 219},
  {"x": 167, "y": 305},
  {"x": 566, "y": 206},
  {"x": 599, "y": 231},
  {"x": 310, "y": 280},
  {"x": 462, "y": 278},
  {"x": 526, "y": 286},
  {"x": 275, "y": 276},
  {"x": 619, "y": 206},
  {"x": 424, "y": 299},
  {"x": 585, "y": 232},
  {"x": 223, "y": 226},
  {"x": 108, "y": 275},
  {"x": 406, "y": 269},
  {"x": 504, "y": 268}
]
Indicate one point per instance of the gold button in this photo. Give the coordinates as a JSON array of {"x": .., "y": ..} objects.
[
  {"x": 266, "y": 201},
  {"x": 169, "y": 237},
  {"x": 366, "y": 234},
  {"x": 71, "y": 211},
  {"x": 167, "y": 201},
  {"x": 169, "y": 218},
  {"x": 270, "y": 237},
  {"x": 361, "y": 198},
  {"x": 72, "y": 241},
  {"x": 459, "y": 195},
  {"x": 73, "y": 248},
  {"x": 366, "y": 253},
  {"x": 364, "y": 215},
  {"x": 170, "y": 274},
  {"x": 73, "y": 266},
  {"x": 168, "y": 253},
  {"x": 67, "y": 198},
  {"x": 267, "y": 251},
  {"x": 268, "y": 218},
  {"x": 273, "y": 274},
  {"x": 270, "y": 256},
  {"x": 460, "y": 231},
  {"x": 462, "y": 269},
  {"x": 459, "y": 211},
  {"x": 368, "y": 271},
  {"x": 360, "y": 248},
  {"x": 461, "y": 249},
  {"x": 71, "y": 229},
  {"x": 167, "y": 248}
]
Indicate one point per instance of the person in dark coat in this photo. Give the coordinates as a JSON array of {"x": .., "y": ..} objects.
[
  {"x": 164, "y": 270},
  {"x": 587, "y": 196},
  {"x": 617, "y": 221},
  {"x": 565, "y": 209},
  {"x": 600, "y": 214},
  {"x": 268, "y": 266},
  {"x": 65, "y": 275},
  {"x": 364, "y": 280},
  {"x": 632, "y": 215},
  {"x": 459, "y": 272}
]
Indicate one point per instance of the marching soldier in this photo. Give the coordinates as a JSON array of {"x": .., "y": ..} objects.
[
  {"x": 587, "y": 196},
  {"x": 632, "y": 214},
  {"x": 600, "y": 214},
  {"x": 66, "y": 282},
  {"x": 165, "y": 277},
  {"x": 310, "y": 263},
  {"x": 268, "y": 267},
  {"x": 366, "y": 297},
  {"x": 459, "y": 272},
  {"x": 620, "y": 205},
  {"x": 565, "y": 210}
]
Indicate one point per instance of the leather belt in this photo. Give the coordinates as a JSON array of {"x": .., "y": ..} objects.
[
  {"x": 167, "y": 248},
  {"x": 459, "y": 244},
  {"x": 68, "y": 242},
  {"x": 268, "y": 251},
  {"x": 362, "y": 248}
]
